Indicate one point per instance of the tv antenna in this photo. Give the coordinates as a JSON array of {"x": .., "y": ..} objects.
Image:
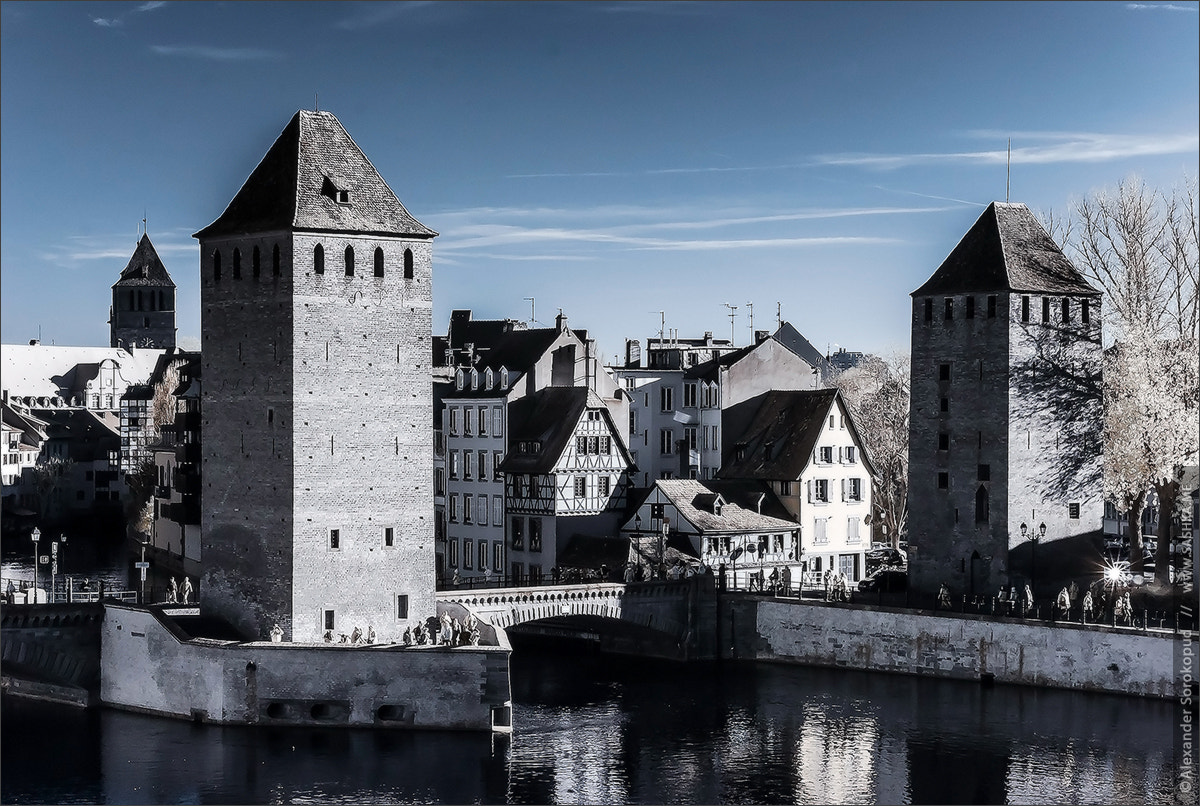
[
  {"x": 750, "y": 305},
  {"x": 662, "y": 326},
  {"x": 732, "y": 316},
  {"x": 1008, "y": 173},
  {"x": 532, "y": 320}
]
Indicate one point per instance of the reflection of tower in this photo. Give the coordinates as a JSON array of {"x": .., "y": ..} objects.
[
  {"x": 316, "y": 286},
  {"x": 1005, "y": 404},
  {"x": 143, "y": 302}
]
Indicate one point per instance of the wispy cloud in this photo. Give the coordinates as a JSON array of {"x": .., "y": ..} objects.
[
  {"x": 368, "y": 15},
  {"x": 79, "y": 248},
  {"x": 217, "y": 53},
  {"x": 1057, "y": 147},
  {"x": 703, "y": 169},
  {"x": 1160, "y": 7},
  {"x": 103, "y": 22},
  {"x": 118, "y": 21},
  {"x": 152, "y": 5}
]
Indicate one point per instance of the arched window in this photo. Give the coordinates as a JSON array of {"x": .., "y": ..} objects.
[
  {"x": 503, "y": 377},
  {"x": 981, "y": 505},
  {"x": 319, "y": 259},
  {"x": 237, "y": 264},
  {"x": 378, "y": 262},
  {"x": 217, "y": 266},
  {"x": 408, "y": 264},
  {"x": 255, "y": 267},
  {"x": 349, "y": 261},
  {"x": 275, "y": 260}
]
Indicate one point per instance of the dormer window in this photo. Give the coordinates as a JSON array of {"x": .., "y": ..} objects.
[
  {"x": 474, "y": 379},
  {"x": 458, "y": 379},
  {"x": 335, "y": 189},
  {"x": 489, "y": 380},
  {"x": 503, "y": 377}
]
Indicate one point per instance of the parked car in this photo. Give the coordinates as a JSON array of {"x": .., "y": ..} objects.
[
  {"x": 886, "y": 557},
  {"x": 888, "y": 579}
]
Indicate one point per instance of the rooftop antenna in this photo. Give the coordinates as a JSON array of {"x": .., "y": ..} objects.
[
  {"x": 662, "y": 325},
  {"x": 532, "y": 320},
  {"x": 778, "y": 315},
  {"x": 750, "y": 305},
  {"x": 1008, "y": 174},
  {"x": 732, "y": 316}
]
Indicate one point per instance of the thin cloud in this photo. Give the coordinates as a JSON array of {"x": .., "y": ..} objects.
[
  {"x": 217, "y": 54},
  {"x": 1162, "y": 7},
  {"x": 152, "y": 6},
  {"x": 661, "y": 171},
  {"x": 368, "y": 15},
  {"x": 107, "y": 23},
  {"x": 1065, "y": 147}
]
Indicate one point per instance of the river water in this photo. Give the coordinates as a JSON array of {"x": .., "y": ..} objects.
[{"x": 591, "y": 729}]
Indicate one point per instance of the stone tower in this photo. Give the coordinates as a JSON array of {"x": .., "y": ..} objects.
[
  {"x": 1006, "y": 412},
  {"x": 143, "y": 302},
  {"x": 316, "y": 288}
]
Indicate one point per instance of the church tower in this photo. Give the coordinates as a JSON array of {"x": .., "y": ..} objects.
[
  {"x": 143, "y": 302},
  {"x": 1005, "y": 414},
  {"x": 316, "y": 293}
]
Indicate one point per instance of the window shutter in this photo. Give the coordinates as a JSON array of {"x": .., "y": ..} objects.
[
  {"x": 844, "y": 482},
  {"x": 810, "y": 490},
  {"x": 839, "y": 455}
]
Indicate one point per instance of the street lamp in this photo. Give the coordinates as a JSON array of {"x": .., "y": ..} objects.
[{"x": 35, "y": 535}]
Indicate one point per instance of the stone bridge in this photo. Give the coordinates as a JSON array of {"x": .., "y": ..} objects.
[{"x": 667, "y": 609}]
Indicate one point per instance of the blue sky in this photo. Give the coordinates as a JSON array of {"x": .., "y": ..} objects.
[{"x": 610, "y": 159}]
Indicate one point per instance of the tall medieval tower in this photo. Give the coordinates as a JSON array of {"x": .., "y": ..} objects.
[
  {"x": 1006, "y": 411},
  {"x": 316, "y": 288},
  {"x": 143, "y": 302}
]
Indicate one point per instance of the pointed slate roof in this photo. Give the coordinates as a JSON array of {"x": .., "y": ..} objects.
[
  {"x": 145, "y": 268},
  {"x": 549, "y": 417},
  {"x": 1006, "y": 250},
  {"x": 299, "y": 186}
]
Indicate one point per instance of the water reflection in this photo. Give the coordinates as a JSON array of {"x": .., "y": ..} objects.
[{"x": 597, "y": 730}]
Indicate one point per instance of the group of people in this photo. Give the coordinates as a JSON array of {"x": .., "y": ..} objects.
[
  {"x": 445, "y": 630},
  {"x": 837, "y": 586},
  {"x": 356, "y": 635},
  {"x": 177, "y": 594}
]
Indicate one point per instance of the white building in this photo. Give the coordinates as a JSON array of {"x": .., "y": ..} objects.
[{"x": 804, "y": 445}]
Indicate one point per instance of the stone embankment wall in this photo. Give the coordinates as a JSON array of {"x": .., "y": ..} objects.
[
  {"x": 52, "y": 651},
  {"x": 1072, "y": 656},
  {"x": 150, "y": 665}
]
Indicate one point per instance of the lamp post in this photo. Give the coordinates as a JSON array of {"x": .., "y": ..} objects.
[{"x": 35, "y": 535}]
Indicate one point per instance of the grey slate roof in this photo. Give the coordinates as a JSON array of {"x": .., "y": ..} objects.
[
  {"x": 145, "y": 268},
  {"x": 1006, "y": 250},
  {"x": 794, "y": 340},
  {"x": 694, "y": 501},
  {"x": 549, "y": 417},
  {"x": 295, "y": 186}
]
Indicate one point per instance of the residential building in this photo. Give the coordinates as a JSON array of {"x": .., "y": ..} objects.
[
  {"x": 678, "y": 394},
  {"x": 844, "y": 359},
  {"x": 738, "y": 529},
  {"x": 175, "y": 535},
  {"x": 316, "y": 290},
  {"x": 24, "y": 436},
  {"x": 138, "y": 427},
  {"x": 566, "y": 477},
  {"x": 42, "y": 376},
  {"x": 805, "y": 447},
  {"x": 475, "y": 436},
  {"x": 82, "y": 452},
  {"x": 143, "y": 302},
  {"x": 1004, "y": 442}
]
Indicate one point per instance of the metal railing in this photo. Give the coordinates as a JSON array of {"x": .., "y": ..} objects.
[{"x": 22, "y": 591}]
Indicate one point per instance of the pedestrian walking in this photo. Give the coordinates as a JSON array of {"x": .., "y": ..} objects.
[{"x": 943, "y": 600}]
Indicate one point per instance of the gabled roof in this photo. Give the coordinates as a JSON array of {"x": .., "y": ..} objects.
[
  {"x": 145, "y": 268},
  {"x": 778, "y": 442},
  {"x": 708, "y": 370},
  {"x": 89, "y": 435},
  {"x": 518, "y": 350},
  {"x": 794, "y": 340},
  {"x": 694, "y": 501},
  {"x": 1006, "y": 250},
  {"x": 548, "y": 417},
  {"x": 298, "y": 184}
]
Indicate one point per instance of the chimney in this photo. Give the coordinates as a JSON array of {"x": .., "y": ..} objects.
[
  {"x": 633, "y": 353},
  {"x": 708, "y": 338},
  {"x": 761, "y": 335},
  {"x": 469, "y": 349},
  {"x": 560, "y": 321}
]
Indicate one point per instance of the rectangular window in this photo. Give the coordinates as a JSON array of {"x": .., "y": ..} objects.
[
  {"x": 827, "y": 455},
  {"x": 854, "y": 490},
  {"x": 535, "y": 534},
  {"x": 468, "y": 465},
  {"x": 849, "y": 455},
  {"x": 605, "y": 446},
  {"x": 943, "y": 372},
  {"x": 468, "y": 509},
  {"x": 518, "y": 486},
  {"x": 852, "y": 528},
  {"x": 497, "y": 555},
  {"x": 580, "y": 486},
  {"x": 497, "y": 421},
  {"x": 666, "y": 397},
  {"x": 483, "y": 552},
  {"x": 483, "y": 418},
  {"x": 945, "y": 404},
  {"x": 666, "y": 442},
  {"x": 328, "y": 619},
  {"x": 593, "y": 445},
  {"x": 1045, "y": 309},
  {"x": 439, "y": 481},
  {"x": 603, "y": 486},
  {"x": 535, "y": 487},
  {"x": 454, "y": 508},
  {"x": 785, "y": 488},
  {"x": 970, "y": 307},
  {"x": 335, "y": 538},
  {"x": 1066, "y": 309},
  {"x": 468, "y": 555},
  {"x": 821, "y": 533},
  {"x": 452, "y": 551},
  {"x": 483, "y": 474},
  {"x": 943, "y": 442},
  {"x": 454, "y": 462},
  {"x": 689, "y": 436},
  {"x": 985, "y": 472},
  {"x": 518, "y": 534},
  {"x": 929, "y": 310},
  {"x": 497, "y": 458},
  {"x": 943, "y": 481},
  {"x": 498, "y": 509},
  {"x": 1073, "y": 511},
  {"x": 1024, "y": 309},
  {"x": 481, "y": 510},
  {"x": 468, "y": 422},
  {"x": 389, "y": 536},
  {"x": 1084, "y": 312},
  {"x": 689, "y": 395},
  {"x": 821, "y": 490},
  {"x": 402, "y": 606},
  {"x": 581, "y": 445},
  {"x": 949, "y": 309},
  {"x": 991, "y": 306},
  {"x": 453, "y": 426}
]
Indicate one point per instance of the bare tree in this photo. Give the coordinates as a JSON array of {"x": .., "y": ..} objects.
[
  {"x": 1140, "y": 247},
  {"x": 876, "y": 393}
]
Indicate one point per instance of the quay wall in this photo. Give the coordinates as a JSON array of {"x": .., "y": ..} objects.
[
  {"x": 148, "y": 664},
  {"x": 1092, "y": 658},
  {"x": 51, "y": 651}
]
